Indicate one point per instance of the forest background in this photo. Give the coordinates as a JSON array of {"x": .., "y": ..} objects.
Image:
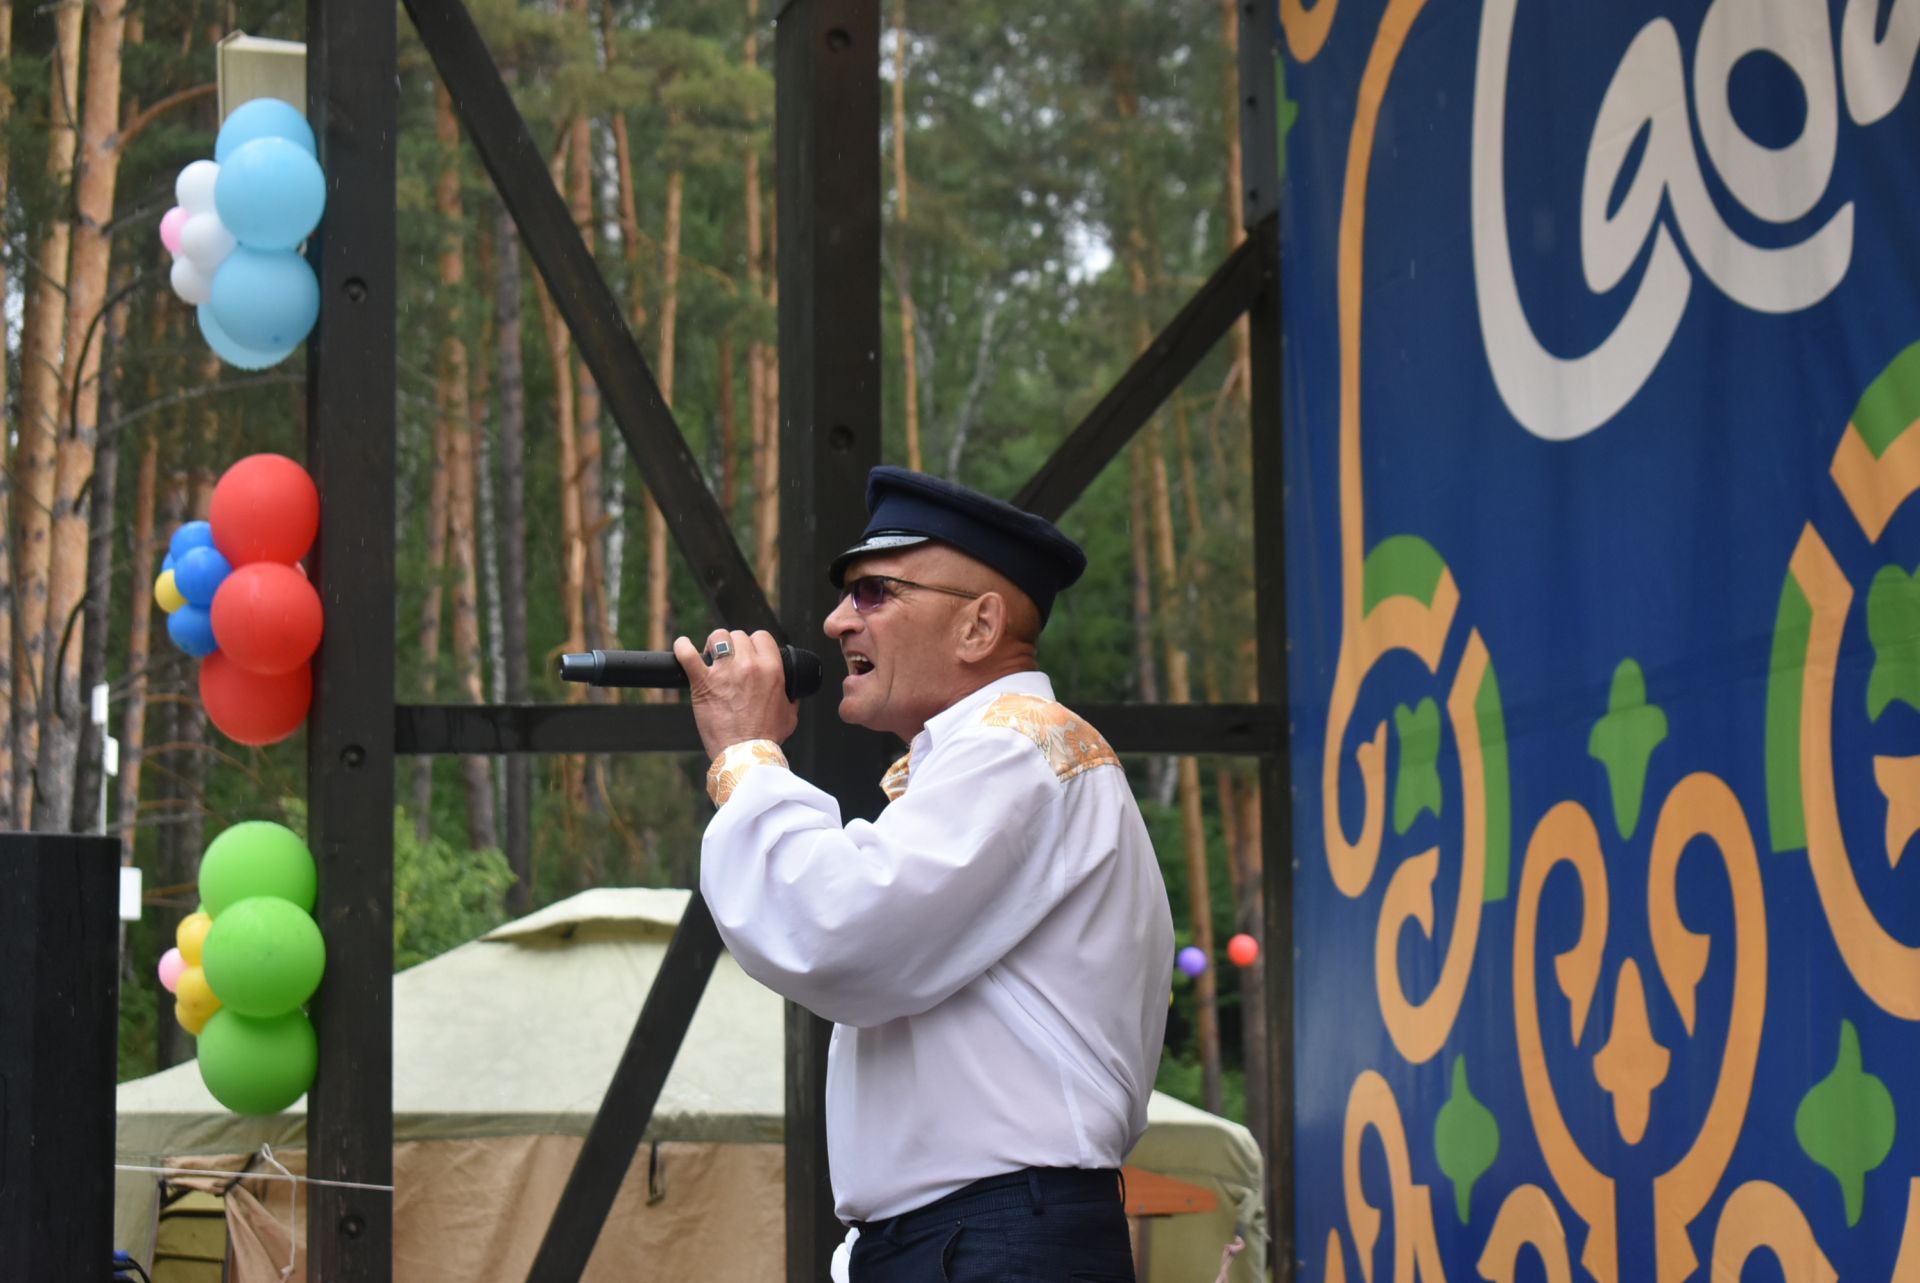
[{"x": 1057, "y": 179}]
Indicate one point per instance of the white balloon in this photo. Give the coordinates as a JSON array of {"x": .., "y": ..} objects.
[
  {"x": 194, "y": 188},
  {"x": 190, "y": 283},
  {"x": 206, "y": 240}
]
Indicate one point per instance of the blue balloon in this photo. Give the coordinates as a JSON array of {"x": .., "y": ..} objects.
[
  {"x": 195, "y": 534},
  {"x": 265, "y": 300},
  {"x": 270, "y": 194},
  {"x": 191, "y": 628},
  {"x": 199, "y": 574},
  {"x": 234, "y": 354},
  {"x": 166, "y": 563},
  {"x": 263, "y": 118}
]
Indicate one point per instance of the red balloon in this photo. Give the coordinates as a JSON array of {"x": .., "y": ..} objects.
[
  {"x": 267, "y": 618},
  {"x": 1243, "y": 950},
  {"x": 250, "y": 708},
  {"x": 265, "y": 508}
]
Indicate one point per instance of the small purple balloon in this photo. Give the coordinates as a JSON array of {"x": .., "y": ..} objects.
[{"x": 1191, "y": 960}]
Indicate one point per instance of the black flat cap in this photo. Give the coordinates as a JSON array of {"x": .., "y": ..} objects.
[{"x": 908, "y": 508}]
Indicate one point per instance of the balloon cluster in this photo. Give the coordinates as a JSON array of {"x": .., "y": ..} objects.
[
  {"x": 236, "y": 600},
  {"x": 236, "y": 232},
  {"x": 1243, "y": 951},
  {"x": 243, "y": 966}
]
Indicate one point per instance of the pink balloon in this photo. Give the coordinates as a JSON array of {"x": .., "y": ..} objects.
[
  {"x": 170, "y": 224},
  {"x": 171, "y": 965}
]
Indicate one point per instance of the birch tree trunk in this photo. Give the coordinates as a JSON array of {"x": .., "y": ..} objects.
[
  {"x": 457, "y": 418},
  {"x": 449, "y": 402},
  {"x": 43, "y": 340},
  {"x": 902, "y": 275},
  {"x": 637, "y": 318},
  {"x": 78, "y": 435},
  {"x": 513, "y": 546},
  {"x": 133, "y": 721},
  {"x": 579, "y": 193},
  {"x": 489, "y": 512},
  {"x": 763, "y": 369},
  {"x": 1236, "y": 189},
  {"x": 572, "y": 533},
  {"x": 726, "y": 425},
  {"x": 89, "y": 794},
  {"x": 12, "y": 716},
  {"x": 658, "y": 566},
  {"x": 167, "y": 811}
]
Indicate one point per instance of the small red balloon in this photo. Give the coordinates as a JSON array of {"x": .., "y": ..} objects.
[
  {"x": 252, "y": 709},
  {"x": 267, "y": 618},
  {"x": 1243, "y": 950},
  {"x": 265, "y": 508}
]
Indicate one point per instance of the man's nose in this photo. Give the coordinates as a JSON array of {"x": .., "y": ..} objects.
[{"x": 841, "y": 620}]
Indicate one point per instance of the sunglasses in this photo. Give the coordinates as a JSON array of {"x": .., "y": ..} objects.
[{"x": 870, "y": 592}]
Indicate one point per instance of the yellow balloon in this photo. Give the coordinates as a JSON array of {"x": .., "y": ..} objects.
[
  {"x": 191, "y": 1019},
  {"x": 190, "y": 935},
  {"x": 192, "y": 990},
  {"x": 166, "y": 594}
]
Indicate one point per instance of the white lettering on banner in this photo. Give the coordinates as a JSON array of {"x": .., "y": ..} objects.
[
  {"x": 1876, "y": 72},
  {"x": 1560, "y": 398}
]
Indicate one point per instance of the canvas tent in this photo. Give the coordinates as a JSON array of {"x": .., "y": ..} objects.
[{"x": 503, "y": 1049}]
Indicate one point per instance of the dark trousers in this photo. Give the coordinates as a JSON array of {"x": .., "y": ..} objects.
[{"x": 1040, "y": 1225}]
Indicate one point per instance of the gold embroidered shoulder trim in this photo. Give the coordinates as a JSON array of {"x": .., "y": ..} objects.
[
  {"x": 894, "y": 782},
  {"x": 735, "y": 761},
  {"x": 1069, "y": 744}
]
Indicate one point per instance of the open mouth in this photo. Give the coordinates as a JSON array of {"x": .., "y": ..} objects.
[{"x": 858, "y": 665}]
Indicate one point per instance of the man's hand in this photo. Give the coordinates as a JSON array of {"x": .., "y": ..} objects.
[{"x": 743, "y": 696}]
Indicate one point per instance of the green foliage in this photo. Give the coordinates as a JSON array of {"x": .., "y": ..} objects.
[{"x": 443, "y": 896}]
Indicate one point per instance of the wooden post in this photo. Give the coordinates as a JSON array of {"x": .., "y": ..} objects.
[
  {"x": 59, "y": 1028},
  {"x": 1260, "y": 150},
  {"x": 827, "y": 161},
  {"x": 351, "y": 103}
]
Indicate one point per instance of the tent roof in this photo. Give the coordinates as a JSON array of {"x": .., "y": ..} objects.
[{"x": 519, "y": 1032}]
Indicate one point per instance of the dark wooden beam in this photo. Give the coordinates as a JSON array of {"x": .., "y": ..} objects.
[
  {"x": 1149, "y": 381},
  {"x": 59, "y": 1023},
  {"x": 1238, "y": 730},
  {"x": 593, "y": 315},
  {"x": 827, "y": 184},
  {"x": 351, "y": 102},
  {"x": 1232, "y": 730},
  {"x": 544, "y": 728},
  {"x": 1260, "y": 158}
]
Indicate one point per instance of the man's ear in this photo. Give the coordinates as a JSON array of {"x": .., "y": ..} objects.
[{"x": 983, "y": 625}]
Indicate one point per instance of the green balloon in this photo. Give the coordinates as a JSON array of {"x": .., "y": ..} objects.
[
  {"x": 256, "y": 857},
  {"x": 258, "y": 1066},
  {"x": 263, "y": 957}
]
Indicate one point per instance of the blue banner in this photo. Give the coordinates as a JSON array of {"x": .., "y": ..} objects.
[{"x": 1603, "y": 381}]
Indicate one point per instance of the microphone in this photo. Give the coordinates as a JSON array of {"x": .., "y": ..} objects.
[{"x": 659, "y": 669}]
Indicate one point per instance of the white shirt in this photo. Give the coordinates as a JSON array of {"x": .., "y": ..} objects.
[{"x": 996, "y": 949}]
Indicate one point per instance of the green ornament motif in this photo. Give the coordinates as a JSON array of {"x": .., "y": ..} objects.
[
  {"x": 1893, "y": 625},
  {"x": 1466, "y": 1138},
  {"x": 1418, "y": 788},
  {"x": 1846, "y": 1122},
  {"x": 1623, "y": 741}
]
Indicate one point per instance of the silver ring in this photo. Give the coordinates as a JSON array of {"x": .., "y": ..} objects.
[{"x": 722, "y": 649}]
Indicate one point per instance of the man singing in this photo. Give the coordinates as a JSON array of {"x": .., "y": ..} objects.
[{"x": 996, "y": 948}]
